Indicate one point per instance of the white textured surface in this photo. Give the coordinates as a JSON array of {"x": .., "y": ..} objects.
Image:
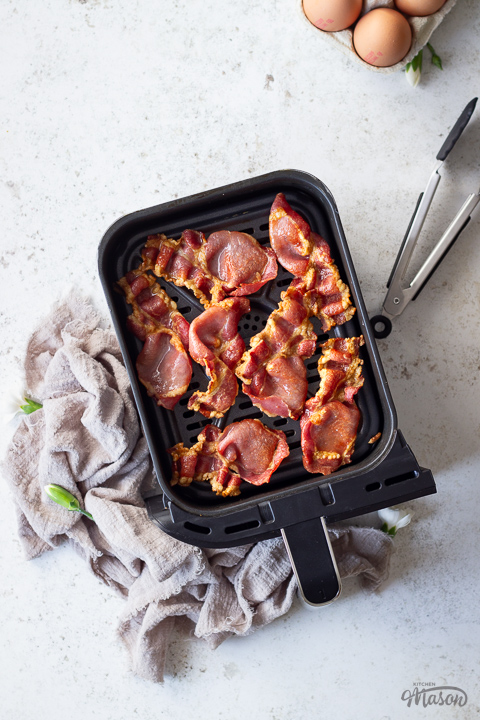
[{"x": 108, "y": 107}]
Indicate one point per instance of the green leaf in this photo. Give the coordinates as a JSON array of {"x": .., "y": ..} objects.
[
  {"x": 436, "y": 60},
  {"x": 384, "y": 527},
  {"x": 392, "y": 531},
  {"x": 65, "y": 498},
  {"x": 30, "y": 407},
  {"x": 417, "y": 61}
]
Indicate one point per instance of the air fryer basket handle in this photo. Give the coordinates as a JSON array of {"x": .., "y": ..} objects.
[{"x": 313, "y": 561}]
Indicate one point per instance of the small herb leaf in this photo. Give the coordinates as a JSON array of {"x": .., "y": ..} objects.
[
  {"x": 30, "y": 407},
  {"x": 436, "y": 60},
  {"x": 417, "y": 61}
]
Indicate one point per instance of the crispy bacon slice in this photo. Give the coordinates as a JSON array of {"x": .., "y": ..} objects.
[
  {"x": 215, "y": 343},
  {"x": 252, "y": 450},
  {"x": 202, "y": 462},
  {"x": 307, "y": 256},
  {"x": 163, "y": 365},
  {"x": 225, "y": 264},
  {"x": 272, "y": 370},
  {"x": 331, "y": 418},
  {"x": 245, "y": 450}
]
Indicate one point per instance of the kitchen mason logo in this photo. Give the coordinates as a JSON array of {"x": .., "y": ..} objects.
[{"x": 427, "y": 693}]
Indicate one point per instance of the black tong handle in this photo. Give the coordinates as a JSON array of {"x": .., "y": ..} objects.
[{"x": 457, "y": 130}]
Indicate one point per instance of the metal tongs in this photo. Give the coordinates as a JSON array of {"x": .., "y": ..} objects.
[{"x": 399, "y": 294}]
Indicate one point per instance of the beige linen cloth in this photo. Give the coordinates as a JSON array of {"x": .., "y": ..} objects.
[{"x": 87, "y": 439}]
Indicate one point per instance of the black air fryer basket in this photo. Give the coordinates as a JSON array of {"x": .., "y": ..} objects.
[{"x": 295, "y": 503}]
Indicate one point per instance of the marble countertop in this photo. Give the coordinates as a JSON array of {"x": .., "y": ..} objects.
[{"x": 109, "y": 107}]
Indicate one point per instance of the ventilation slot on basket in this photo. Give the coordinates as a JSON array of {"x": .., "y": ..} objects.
[
  {"x": 200, "y": 529},
  {"x": 373, "y": 486},
  {"x": 294, "y": 445},
  {"x": 250, "y": 525},
  {"x": 195, "y": 426},
  {"x": 401, "y": 478},
  {"x": 253, "y": 416},
  {"x": 285, "y": 281},
  {"x": 266, "y": 513},
  {"x": 326, "y": 494}
]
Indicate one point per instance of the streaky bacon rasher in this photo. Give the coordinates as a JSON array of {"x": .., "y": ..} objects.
[
  {"x": 226, "y": 264},
  {"x": 215, "y": 343},
  {"x": 244, "y": 450},
  {"x": 330, "y": 422},
  {"x": 307, "y": 256},
  {"x": 163, "y": 365},
  {"x": 272, "y": 370}
]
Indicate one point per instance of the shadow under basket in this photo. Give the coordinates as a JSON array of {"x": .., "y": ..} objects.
[{"x": 295, "y": 503}]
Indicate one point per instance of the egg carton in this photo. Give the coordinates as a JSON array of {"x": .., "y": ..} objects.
[{"x": 422, "y": 29}]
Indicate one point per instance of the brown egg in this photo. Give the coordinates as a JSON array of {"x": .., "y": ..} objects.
[
  {"x": 382, "y": 37},
  {"x": 421, "y": 8},
  {"x": 332, "y": 15}
]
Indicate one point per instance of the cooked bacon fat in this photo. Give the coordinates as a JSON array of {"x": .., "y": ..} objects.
[
  {"x": 331, "y": 418},
  {"x": 163, "y": 365},
  {"x": 245, "y": 450},
  {"x": 307, "y": 256},
  {"x": 225, "y": 264},
  {"x": 215, "y": 343}
]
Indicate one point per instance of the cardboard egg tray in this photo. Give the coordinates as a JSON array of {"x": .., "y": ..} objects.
[{"x": 422, "y": 29}]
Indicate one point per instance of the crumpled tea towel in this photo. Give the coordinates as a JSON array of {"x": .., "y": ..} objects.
[{"x": 87, "y": 439}]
